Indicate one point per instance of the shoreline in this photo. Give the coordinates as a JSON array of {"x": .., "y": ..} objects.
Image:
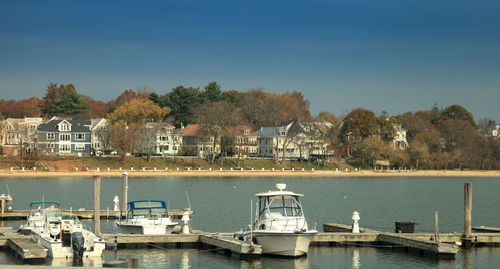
[{"x": 259, "y": 173}]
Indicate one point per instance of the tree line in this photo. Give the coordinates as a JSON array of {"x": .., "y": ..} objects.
[{"x": 438, "y": 138}]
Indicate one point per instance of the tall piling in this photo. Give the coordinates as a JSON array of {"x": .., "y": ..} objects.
[
  {"x": 467, "y": 214},
  {"x": 124, "y": 193},
  {"x": 436, "y": 224},
  {"x": 97, "y": 205}
]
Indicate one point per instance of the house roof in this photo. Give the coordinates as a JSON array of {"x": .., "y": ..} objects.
[
  {"x": 191, "y": 130},
  {"x": 239, "y": 131},
  {"x": 76, "y": 125}
]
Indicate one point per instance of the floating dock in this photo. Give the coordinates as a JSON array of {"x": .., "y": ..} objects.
[
  {"x": 176, "y": 214},
  {"x": 21, "y": 245},
  {"x": 231, "y": 246}
]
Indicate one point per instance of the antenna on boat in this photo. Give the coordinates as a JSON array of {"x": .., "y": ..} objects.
[
  {"x": 189, "y": 203},
  {"x": 8, "y": 191}
]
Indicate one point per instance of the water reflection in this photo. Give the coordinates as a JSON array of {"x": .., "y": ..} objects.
[{"x": 355, "y": 259}]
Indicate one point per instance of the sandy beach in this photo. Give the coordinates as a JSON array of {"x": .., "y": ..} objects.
[{"x": 257, "y": 173}]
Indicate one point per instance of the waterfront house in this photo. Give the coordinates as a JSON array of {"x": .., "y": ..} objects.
[
  {"x": 196, "y": 144},
  {"x": 399, "y": 140},
  {"x": 19, "y": 134},
  {"x": 160, "y": 138},
  {"x": 294, "y": 140},
  {"x": 64, "y": 137},
  {"x": 101, "y": 137},
  {"x": 244, "y": 142}
]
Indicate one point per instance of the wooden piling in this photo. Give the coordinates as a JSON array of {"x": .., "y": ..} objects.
[
  {"x": 97, "y": 205},
  {"x": 124, "y": 193},
  {"x": 436, "y": 224},
  {"x": 467, "y": 214}
]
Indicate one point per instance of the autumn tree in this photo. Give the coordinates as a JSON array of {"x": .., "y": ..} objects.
[
  {"x": 372, "y": 149},
  {"x": 361, "y": 123},
  {"x": 456, "y": 112},
  {"x": 417, "y": 152},
  {"x": 127, "y": 96},
  {"x": 138, "y": 111},
  {"x": 29, "y": 107},
  {"x": 124, "y": 137},
  {"x": 213, "y": 118},
  {"x": 328, "y": 117}
]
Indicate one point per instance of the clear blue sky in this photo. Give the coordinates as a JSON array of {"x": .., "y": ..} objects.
[{"x": 392, "y": 55}]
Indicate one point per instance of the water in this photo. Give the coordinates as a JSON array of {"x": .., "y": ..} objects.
[{"x": 223, "y": 205}]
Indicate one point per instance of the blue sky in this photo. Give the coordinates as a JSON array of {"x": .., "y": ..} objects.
[{"x": 392, "y": 55}]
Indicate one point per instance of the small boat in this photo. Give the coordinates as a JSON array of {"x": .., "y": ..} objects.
[
  {"x": 147, "y": 217},
  {"x": 280, "y": 226},
  {"x": 37, "y": 212},
  {"x": 64, "y": 236}
]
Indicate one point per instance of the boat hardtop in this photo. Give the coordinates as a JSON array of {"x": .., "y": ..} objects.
[
  {"x": 147, "y": 208},
  {"x": 279, "y": 192}
]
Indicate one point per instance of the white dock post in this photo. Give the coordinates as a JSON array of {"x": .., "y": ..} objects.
[
  {"x": 355, "y": 225},
  {"x": 124, "y": 193}
]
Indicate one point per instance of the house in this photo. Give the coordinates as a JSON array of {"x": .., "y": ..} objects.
[
  {"x": 294, "y": 140},
  {"x": 244, "y": 141},
  {"x": 64, "y": 136},
  {"x": 101, "y": 137},
  {"x": 399, "y": 140},
  {"x": 496, "y": 132},
  {"x": 19, "y": 134},
  {"x": 195, "y": 144},
  {"x": 161, "y": 138}
]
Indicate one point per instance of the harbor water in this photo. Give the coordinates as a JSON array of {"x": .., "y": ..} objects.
[{"x": 222, "y": 204}]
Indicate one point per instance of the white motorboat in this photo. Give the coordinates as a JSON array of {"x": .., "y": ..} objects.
[
  {"x": 147, "y": 217},
  {"x": 37, "y": 212},
  {"x": 280, "y": 226},
  {"x": 64, "y": 236}
]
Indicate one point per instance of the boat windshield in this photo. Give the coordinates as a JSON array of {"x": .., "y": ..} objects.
[
  {"x": 278, "y": 206},
  {"x": 72, "y": 217}
]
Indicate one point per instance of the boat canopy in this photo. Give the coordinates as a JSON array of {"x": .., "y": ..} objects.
[
  {"x": 278, "y": 193},
  {"x": 44, "y": 202},
  {"x": 145, "y": 204}
]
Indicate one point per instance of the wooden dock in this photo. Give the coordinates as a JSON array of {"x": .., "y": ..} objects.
[
  {"x": 485, "y": 229},
  {"x": 231, "y": 246},
  {"x": 176, "y": 214},
  {"x": 21, "y": 245}
]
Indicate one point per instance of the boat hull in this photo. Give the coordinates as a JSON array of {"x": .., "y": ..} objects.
[
  {"x": 145, "y": 229},
  {"x": 57, "y": 250},
  {"x": 289, "y": 244}
]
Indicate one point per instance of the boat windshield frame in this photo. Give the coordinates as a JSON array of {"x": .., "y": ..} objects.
[
  {"x": 154, "y": 209},
  {"x": 278, "y": 204}
]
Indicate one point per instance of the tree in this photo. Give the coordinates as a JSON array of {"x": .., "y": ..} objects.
[
  {"x": 457, "y": 133},
  {"x": 486, "y": 126},
  {"x": 416, "y": 123},
  {"x": 125, "y": 97},
  {"x": 182, "y": 101},
  {"x": 124, "y": 137},
  {"x": 138, "y": 111},
  {"x": 386, "y": 128},
  {"x": 456, "y": 112},
  {"x": 62, "y": 100},
  {"x": 213, "y": 118},
  {"x": 328, "y": 117},
  {"x": 417, "y": 151},
  {"x": 372, "y": 149},
  {"x": 361, "y": 122}
]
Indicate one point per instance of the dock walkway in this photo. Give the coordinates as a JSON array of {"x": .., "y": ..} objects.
[{"x": 21, "y": 245}]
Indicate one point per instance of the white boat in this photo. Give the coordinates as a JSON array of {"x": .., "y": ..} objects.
[
  {"x": 64, "y": 236},
  {"x": 147, "y": 217},
  {"x": 280, "y": 226},
  {"x": 36, "y": 216}
]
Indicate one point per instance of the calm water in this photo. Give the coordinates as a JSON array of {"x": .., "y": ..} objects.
[{"x": 223, "y": 205}]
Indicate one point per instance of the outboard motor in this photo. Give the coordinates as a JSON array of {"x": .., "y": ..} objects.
[{"x": 78, "y": 245}]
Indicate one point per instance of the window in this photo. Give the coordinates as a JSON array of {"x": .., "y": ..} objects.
[
  {"x": 247, "y": 132},
  {"x": 65, "y": 137},
  {"x": 64, "y": 127},
  {"x": 64, "y": 147},
  {"x": 176, "y": 138},
  {"x": 51, "y": 145},
  {"x": 80, "y": 136},
  {"x": 79, "y": 146},
  {"x": 51, "y": 136}
]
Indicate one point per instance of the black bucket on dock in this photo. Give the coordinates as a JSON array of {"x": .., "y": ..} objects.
[{"x": 405, "y": 227}]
